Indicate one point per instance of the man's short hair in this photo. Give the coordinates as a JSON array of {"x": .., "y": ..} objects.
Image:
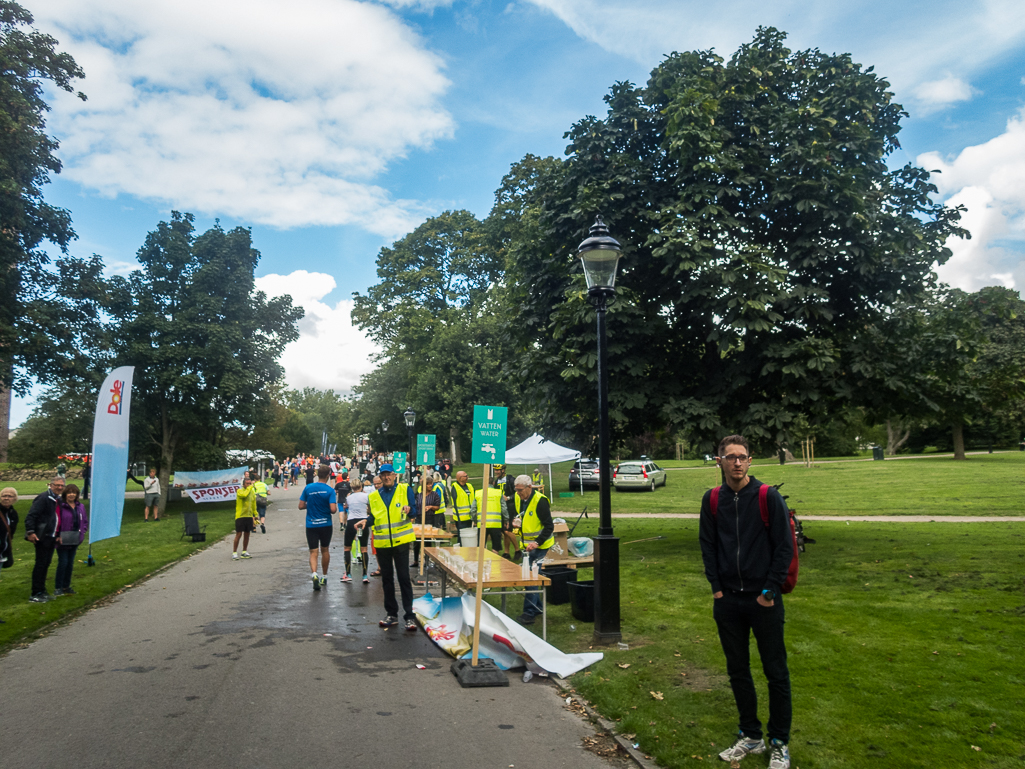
[
  {"x": 524, "y": 480},
  {"x": 735, "y": 440},
  {"x": 323, "y": 472}
]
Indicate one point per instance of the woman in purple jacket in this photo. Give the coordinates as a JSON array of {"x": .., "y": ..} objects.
[{"x": 73, "y": 523}]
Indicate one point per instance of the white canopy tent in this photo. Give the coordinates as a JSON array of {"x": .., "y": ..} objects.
[{"x": 537, "y": 450}]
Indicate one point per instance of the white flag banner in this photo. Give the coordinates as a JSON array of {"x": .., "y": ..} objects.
[{"x": 110, "y": 455}]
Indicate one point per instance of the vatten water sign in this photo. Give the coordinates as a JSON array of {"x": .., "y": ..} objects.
[
  {"x": 489, "y": 428},
  {"x": 425, "y": 449}
]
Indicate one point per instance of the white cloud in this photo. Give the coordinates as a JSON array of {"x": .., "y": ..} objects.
[
  {"x": 276, "y": 115},
  {"x": 940, "y": 93},
  {"x": 330, "y": 353},
  {"x": 905, "y": 51},
  {"x": 989, "y": 179}
]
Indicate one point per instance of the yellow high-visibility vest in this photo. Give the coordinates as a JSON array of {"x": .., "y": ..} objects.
[
  {"x": 494, "y": 516},
  {"x": 530, "y": 524},
  {"x": 391, "y": 527},
  {"x": 462, "y": 500}
]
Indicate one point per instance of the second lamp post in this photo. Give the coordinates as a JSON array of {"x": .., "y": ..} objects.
[{"x": 599, "y": 255}]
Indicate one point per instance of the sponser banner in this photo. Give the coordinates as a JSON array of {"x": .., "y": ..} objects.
[
  {"x": 110, "y": 455},
  {"x": 210, "y": 485}
]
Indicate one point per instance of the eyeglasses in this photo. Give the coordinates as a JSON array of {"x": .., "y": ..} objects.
[{"x": 736, "y": 459}]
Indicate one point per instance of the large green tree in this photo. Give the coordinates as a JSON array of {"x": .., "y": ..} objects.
[
  {"x": 48, "y": 310},
  {"x": 436, "y": 312},
  {"x": 761, "y": 228},
  {"x": 203, "y": 340}
]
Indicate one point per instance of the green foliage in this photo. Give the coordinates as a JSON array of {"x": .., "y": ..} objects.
[
  {"x": 204, "y": 342},
  {"x": 762, "y": 231},
  {"x": 49, "y": 313},
  {"x": 61, "y": 423}
]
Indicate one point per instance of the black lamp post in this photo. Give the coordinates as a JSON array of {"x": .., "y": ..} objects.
[
  {"x": 599, "y": 255},
  {"x": 410, "y": 417}
]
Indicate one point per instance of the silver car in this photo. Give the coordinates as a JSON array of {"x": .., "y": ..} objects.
[{"x": 643, "y": 474}]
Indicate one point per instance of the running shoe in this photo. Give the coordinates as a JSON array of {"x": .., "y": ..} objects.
[
  {"x": 389, "y": 621},
  {"x": 366, "y": 579},
  {"x": 263, "y": 529},
  {"x": 742, "y": 747},
  {"x": 245, "y": 555},
  {"x": 70, "y": 591},
  {"x": 234, "y": 556},
  {"x": 58, "y": 591},
  {"x": 411, "y": 627},
  {"x": 323, "y": 580},
  {"x": 39, "y": 598},
  {"x": 346, "y": 578},
  {"x": 316, "y": 582},
  {"x": 779, "y": 755}
]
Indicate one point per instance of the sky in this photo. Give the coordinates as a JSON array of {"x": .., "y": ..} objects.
[{"x": 332, "y": 128}]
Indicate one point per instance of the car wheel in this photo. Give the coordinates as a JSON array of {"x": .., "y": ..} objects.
[{"x": 652, "y": 486}]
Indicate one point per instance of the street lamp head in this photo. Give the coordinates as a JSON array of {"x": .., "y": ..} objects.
[
  {"x": 384, "y": 425},
  {"x": 410, "y": 416},
  {"x": 599, "y": 255}
]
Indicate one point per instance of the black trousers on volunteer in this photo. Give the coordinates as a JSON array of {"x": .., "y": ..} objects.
[{"x": 394, "y": 561}]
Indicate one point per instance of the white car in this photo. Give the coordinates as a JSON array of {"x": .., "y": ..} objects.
[{"x": 643, "y": 474}]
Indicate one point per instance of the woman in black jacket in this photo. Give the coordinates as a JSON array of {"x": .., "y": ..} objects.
[{"x": 8, "y": 526}]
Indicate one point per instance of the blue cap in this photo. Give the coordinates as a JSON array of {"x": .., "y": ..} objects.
[{"x": 386, "y": 469}]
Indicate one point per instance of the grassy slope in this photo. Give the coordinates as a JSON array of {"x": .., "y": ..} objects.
[
  {"x": 904, "y": 647},
  {"x": 141, "y": 548}
]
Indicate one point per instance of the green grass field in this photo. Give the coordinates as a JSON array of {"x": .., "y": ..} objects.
[
  {"x": 142, "y": 548},
  {"x": 904, "y": 647},
  {"x": 987, "y": 484}
]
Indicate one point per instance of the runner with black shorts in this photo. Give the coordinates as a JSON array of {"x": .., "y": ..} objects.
[
  {"x": 355, "y": 512},
  {"x": 318, "y": 500}
]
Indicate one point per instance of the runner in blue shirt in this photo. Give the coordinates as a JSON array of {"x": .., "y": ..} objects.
[{"x": 318, "y": 500}]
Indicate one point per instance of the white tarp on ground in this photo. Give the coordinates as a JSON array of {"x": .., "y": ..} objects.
[
  {"x": 537, "y": 450},
  {"x": 449, "y": 623}
]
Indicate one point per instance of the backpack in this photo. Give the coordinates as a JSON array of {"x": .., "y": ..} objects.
[{"x": 763, "y": 508}]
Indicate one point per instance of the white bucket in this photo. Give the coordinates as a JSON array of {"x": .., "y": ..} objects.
[{"x": 469, "y": 537}]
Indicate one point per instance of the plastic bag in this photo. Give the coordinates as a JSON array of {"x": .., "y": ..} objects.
[{"x": 581, "y": 547}]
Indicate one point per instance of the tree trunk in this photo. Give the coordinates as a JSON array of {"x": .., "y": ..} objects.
[
  {"x": 958, "y": 433},
  {"x": 893, "y": 442},
  {"x": 168, "y": 441},
  {"x": 5, "y": 421}
]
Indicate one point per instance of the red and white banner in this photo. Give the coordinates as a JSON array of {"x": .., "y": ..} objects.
[{"x": 210, "y": 486}]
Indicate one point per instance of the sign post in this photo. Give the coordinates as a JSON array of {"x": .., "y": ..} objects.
[
  {"x": 489, "y": 430},
  {"x": 425, "y": 457}
]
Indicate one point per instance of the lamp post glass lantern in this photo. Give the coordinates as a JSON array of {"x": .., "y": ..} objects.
[{"x": 599, "y": 257}]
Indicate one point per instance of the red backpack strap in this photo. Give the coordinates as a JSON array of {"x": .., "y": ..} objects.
[
  {"x": 763, "y": 503},
  {"x": 713, "y": 501}
]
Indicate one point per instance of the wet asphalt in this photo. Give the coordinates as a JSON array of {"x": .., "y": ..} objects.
[{"x": 219, "y": 663}]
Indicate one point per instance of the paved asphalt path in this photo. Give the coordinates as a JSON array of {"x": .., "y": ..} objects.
[{"x": 219, "y": 663}]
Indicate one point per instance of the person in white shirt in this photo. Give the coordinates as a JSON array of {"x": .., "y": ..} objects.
[
  {"x": 151, "y": 490},
  {"x": 354, "y": 517}
]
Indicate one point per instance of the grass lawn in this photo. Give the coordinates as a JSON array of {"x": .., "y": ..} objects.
[
  {"x": 142, "y": 548},
  {"x": 986, "y": 484},
  {"x": 904, "y": 645}
]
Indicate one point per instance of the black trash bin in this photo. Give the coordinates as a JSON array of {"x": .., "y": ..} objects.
[
  {"x": 877, "y": 453},
  {"x": 581, "y": 593},
  {"x": 561, "y": 576}
]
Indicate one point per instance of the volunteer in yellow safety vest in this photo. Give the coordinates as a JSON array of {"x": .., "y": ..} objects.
[
  {"x": 464, "y": 501},
  {"x": 390, "y": 507},
  {"x": 538, "y": 480},
  {"x": 262, "y": 493},
  {"x": 534, "y": 519},
  {"x": 493, "y": 515},
  {"x": 439, "y": 487}
]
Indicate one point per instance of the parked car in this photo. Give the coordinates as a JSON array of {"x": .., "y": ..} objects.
[
  {"x": 584, "y": 471},
  {"x": 642, "y": 474}
]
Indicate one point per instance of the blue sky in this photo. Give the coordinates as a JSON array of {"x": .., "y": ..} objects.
[{"x": 333, "y": 127}]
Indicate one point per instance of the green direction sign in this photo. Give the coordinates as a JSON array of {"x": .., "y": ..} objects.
[
  {"x": 425, "y": 449},
  {"x": 489, "y": 427},
  {"x": 398, "y": 461}
]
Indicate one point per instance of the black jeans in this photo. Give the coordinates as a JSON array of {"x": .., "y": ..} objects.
[
  {"x": 394, "y": 561},
  {"x": 65, "y": 566},
  {"x": 44, "y": 554},
  {"x": 738, "y": 615}
]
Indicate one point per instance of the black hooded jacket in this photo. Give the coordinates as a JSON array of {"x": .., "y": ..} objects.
[{"x": 738, "y": 550}]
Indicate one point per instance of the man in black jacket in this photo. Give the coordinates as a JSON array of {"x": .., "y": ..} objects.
[
  {"x": 746, "y": 563},
  {"x": 41, "y": 530}
]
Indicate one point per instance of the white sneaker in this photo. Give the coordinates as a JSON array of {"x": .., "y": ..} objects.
[
  {"x": 234, "y": 556},
  {"x": 779, "y": 755},
  {"x": 741, "y": 748}
]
